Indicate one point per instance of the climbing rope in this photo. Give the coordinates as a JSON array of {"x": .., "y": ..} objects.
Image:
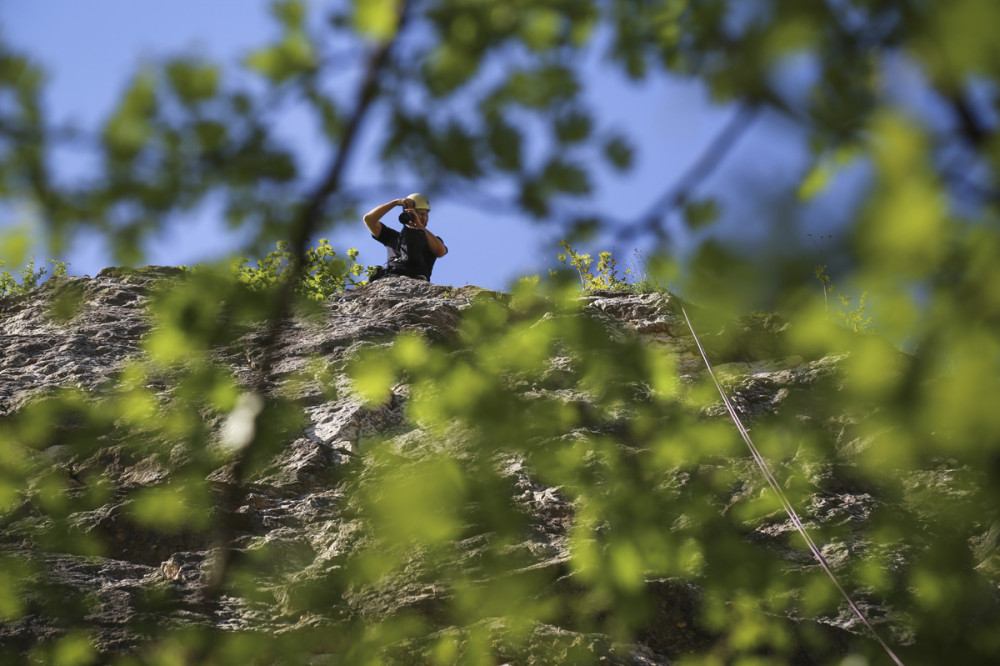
[{"x": 789, "y": 509}]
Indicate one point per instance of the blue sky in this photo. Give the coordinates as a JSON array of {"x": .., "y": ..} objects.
[{"x": 90, "y": 48}]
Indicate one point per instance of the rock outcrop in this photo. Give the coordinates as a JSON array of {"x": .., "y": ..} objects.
[{"x": 126, "y": 582}]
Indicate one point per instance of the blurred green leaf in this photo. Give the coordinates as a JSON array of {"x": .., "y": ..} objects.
[
  {"x": 66, "y": 302},
  {"x": 573, "y": 127},
  {"x": 376, "y": 19},
  {"x": 619, "y": 152},
  {"x": 816, "y": 182},
  {"x": 373, "y": 378},
  {"x": 701, "y": 213},
  {"x": 291, "y": 13},
  {"x": 560, "y": 176},
  {"x": 957, "y": 42},
  {"x": 448, "y": 68},
  {"x": 910, "y": 212},
  {"x": 171, "y": 507},
  {"x": 11, "y": 580},
  {"x": 193, "y": 82},
  {"x": 14, "y": 246},
  {"x": 506, "y": 143},
  {"x": 819, "y": 177},
  {"x": 73, "y": 650},
  {"x": 211, "y": 135},
  {"x": 330, "y": 115},
  {"x": 541, "y": 88},
  {"x": 420, "y": 503},
  {"x": 541, "y": 28},
  {"x": 533, "y": 198},
  {"x": 456, "y": 148},
  {"x": 293, "y": 56},
  {"x": 129, "y": 128}
]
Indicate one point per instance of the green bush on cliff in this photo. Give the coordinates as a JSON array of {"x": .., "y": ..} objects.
[
  {"x": 27, "y": 277},
  {"x": 323, "y": 272},
  {"x": 604, "y": 276}
]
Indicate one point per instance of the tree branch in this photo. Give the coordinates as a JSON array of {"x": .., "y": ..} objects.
[
  {"x": 970, "y": 125},
  {"x": 678, "y": 193},
  {"x": 308, "y": 222}
]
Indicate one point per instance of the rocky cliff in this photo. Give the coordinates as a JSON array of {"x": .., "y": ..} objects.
[{"x": 90, "y": 556}]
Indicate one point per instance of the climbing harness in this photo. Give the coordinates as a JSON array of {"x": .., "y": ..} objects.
[{"x": 789, "y": 509}]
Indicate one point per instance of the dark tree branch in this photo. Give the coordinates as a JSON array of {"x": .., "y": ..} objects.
[
  {"x": 969, "y": 124},
  {"x": 958, "y": 171},
  {"x": 308, "y": 222},
  {"x": 676, "y": 195},
  {"x": 958, "y": 178},
  {"x": 679, "y": 193}
]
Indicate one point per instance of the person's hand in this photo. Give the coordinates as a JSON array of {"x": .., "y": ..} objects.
[{"x": 410, "y": 206}]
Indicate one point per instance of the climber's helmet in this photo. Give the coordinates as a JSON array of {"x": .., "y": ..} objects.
[{"x": 420, "y": 202}]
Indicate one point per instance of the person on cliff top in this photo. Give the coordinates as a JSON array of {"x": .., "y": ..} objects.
[{"x": 413, "y": 250}]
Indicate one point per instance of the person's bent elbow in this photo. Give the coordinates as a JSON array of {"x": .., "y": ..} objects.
[{"x": 373, "y": 223}]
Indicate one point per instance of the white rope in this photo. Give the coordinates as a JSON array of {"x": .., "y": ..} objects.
[{"x": 789, "y": 509}]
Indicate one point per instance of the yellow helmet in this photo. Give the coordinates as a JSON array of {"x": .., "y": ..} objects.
[{"x": 420, "y": 202}]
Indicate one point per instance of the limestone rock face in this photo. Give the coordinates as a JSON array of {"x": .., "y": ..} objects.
[
  {"x": 295, "y": 509},
  {"x": 43, "y": 350}
]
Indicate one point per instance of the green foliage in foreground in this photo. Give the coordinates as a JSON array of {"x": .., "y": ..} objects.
[
  {"x": 659, "y": 487},
  {"x": 658, "y": 492}
]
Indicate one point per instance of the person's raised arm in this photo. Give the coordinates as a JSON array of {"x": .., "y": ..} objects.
[
  {"x": 437, "y": 247},
  {"x": 373, "y": 218}
]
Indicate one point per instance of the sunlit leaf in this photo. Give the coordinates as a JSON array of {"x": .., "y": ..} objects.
[
  {"x": 540, "y": 28},
  {"x": 14, "y": 246},
  {"x": 420, "y": 503},
  {"x": 819, "y": 178},
  {"x": 816, "y": 181},
  {"x": 169, "y": 345},
  {"x": 73, "y": 650},
  {"x": 129, "y": 127},
  {"x": 193, "y": 82},
  {"x": 373, "y": 378},
  {"x": 411, "y": 351},
  {"x": 279, "y": 62},
  {"x": 377, "y": 19},
  {"x": 626, "y": 565},
  {"x": 170, "y": 507}
]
